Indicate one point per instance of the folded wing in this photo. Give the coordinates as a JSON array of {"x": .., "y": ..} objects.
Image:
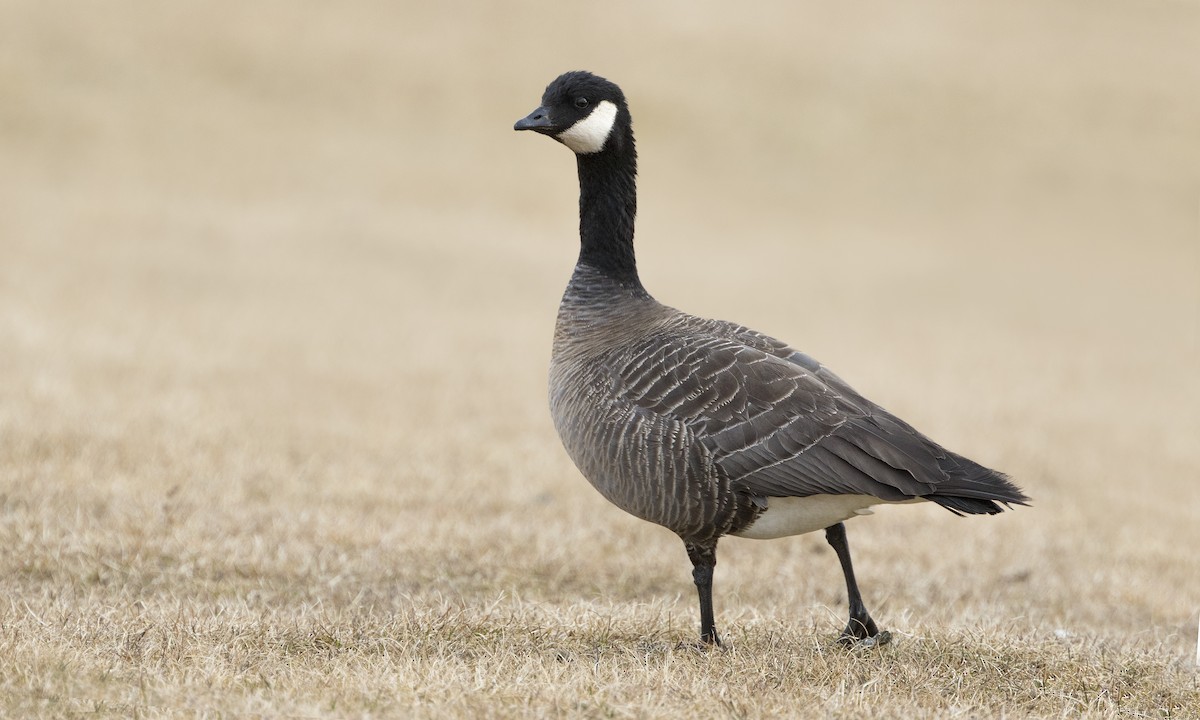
[{"x": 778, "y": 424}]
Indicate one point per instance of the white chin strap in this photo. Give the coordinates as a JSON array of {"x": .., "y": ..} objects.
[{"x": 589, "y": 134}]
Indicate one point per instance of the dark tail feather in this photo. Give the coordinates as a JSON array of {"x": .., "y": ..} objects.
[
  {"x": 966, "y": 506},
  {"x": 973, "y": 489}
]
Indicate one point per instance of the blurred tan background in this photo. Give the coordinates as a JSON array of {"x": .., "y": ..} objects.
[{"x": 280, "y": 255}]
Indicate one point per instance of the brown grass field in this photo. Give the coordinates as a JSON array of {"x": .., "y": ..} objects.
[{"x": 277, "y": 287}]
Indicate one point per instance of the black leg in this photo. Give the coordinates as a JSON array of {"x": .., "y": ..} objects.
[
  {"x": 861, "y": 626},
  {"x": 704, "y": 559}
]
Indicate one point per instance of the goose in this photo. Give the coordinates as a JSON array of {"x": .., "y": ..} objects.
[{"x": 707, "y": 427}]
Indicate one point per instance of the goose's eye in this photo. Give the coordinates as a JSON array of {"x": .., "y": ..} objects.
[{"x": 581, "y": 102}]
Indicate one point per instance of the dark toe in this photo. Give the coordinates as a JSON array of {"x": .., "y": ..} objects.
[
  {"x": 860, "y": 629},
  {"x": 852, "y": 641}
]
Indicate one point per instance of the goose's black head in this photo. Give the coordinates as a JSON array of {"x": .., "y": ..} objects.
[{"x": 583, "y": 111}]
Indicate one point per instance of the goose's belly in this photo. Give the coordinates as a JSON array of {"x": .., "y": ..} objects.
[{"x": 786, "y": 516}]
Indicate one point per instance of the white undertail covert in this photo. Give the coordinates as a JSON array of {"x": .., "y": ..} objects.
[{"x": 786, "y": 516}]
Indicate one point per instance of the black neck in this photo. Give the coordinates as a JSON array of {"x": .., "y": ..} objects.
[{"x": 608, "y": 206}]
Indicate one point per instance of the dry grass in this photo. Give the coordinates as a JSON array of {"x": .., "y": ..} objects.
[{"x": 277, "y": 284}]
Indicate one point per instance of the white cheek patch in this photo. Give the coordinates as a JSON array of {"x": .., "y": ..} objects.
[{"x": 589, "y": 134}]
